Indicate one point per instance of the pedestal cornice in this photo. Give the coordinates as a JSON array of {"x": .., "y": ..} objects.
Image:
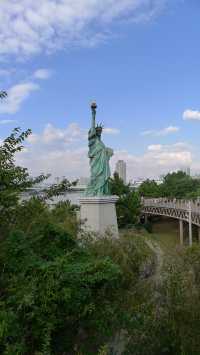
[{"x": 99, "y": 199}]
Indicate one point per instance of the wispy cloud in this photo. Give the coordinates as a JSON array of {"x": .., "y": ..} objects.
[
  {"x": 163, "y": 132},
  {"x": 5, "y": 72},
  {"x": 17, "y": 94},
  {"x": 108, "y": 130},
  {"x": 158, "y": 159},
  {"x": 42, "y": 74},
  {"x": 191, "y": 115},
  {"x": 60, "y": 136},
  {"x": 28, "y": 27},
  {"x": 4, "y": 122}
]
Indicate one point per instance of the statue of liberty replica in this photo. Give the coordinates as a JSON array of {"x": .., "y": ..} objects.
[
  {"x": 98, "y": 209},
  {"x": 99, "y": 156}
]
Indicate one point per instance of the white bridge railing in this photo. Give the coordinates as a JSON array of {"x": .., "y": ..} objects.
[
  {"x": 176, "y": 204},
  {"x": 183, "y": 210}
]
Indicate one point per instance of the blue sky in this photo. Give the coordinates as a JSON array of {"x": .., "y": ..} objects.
[{"x": 139, "y": 59}]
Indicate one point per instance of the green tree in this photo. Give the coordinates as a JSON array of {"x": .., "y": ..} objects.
[
  {"x": 149, "y": 188},
  {"x": 128, "y": 205},
  {"x": 118, "y": 187},
  {"x": 175, "y": 185},
  {"x": 16, "y": 179},
  {"x": 179, "y": 185},
  {"x": 13, "y": 179}
]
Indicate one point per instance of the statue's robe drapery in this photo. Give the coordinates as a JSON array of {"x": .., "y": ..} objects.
[{"x": 99, "y": 156}]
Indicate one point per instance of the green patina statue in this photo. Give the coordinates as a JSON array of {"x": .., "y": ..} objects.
[{"x": 99, "y": 156}]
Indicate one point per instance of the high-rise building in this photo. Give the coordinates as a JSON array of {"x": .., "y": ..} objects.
[
  {"x": 121, "y": 170},
  {"x": 187, "y": 170}
]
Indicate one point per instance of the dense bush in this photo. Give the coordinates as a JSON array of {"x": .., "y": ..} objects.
[
  {"x": 54, "y": 292},
  {"x": 169, "y": 321},
  {"x": 61, "y": 293},
  {"x": 150, "y": 188}
]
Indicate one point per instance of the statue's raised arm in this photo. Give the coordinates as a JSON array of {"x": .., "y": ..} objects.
[{"x": 94, "y": 111}]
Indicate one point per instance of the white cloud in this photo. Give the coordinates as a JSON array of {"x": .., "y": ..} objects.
[
  {"x": 171, "y": 129},
  {"x": 5, "y": 72},
  {"x": 154, "y": 147},
  {"x": 42, "y": 74},
  {"x": 68, "y": 135},
  {"x": 162, "y": 132},
  {"x": 158, "y": 159},
  {"x": 63, "y": 152},
  {"x": 179, "y": 146},
  {"x": 33, "y": 138},
  {"x": 68, "y": 162},
  {"x": 59, "y": 151},
  {"x": 3, "y": 122},
  {"x": 191, "y": 115},
  {"x": 18, "y": 93},
  {"x": 73, "y": 133},
  {"x": 111, "y": 130},
  {"x": 16, "y": 96},
  {"x": 28, "y": 27}
]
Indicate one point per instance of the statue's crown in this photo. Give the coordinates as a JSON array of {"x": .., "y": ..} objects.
[{"x": 99, "y": 129}]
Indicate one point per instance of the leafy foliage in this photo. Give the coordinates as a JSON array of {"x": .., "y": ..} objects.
[
  {"x": 150, "y": 188},
  {"x": 128, "y": 205},
  {"x": 15, "y": 179},
  {"x": 3, "y": 94},
  {"x": 61, "y": 293},
  {"x": 168, "y": 323},
  {"x": 53, "y": 289},
  {"x": 179, "y": 185},
  {"x": 57, "y": 189},
  {"x": 175, "y": 185}
]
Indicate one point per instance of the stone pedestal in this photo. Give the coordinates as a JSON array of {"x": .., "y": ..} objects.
[{"x": 98, "y": 214}]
